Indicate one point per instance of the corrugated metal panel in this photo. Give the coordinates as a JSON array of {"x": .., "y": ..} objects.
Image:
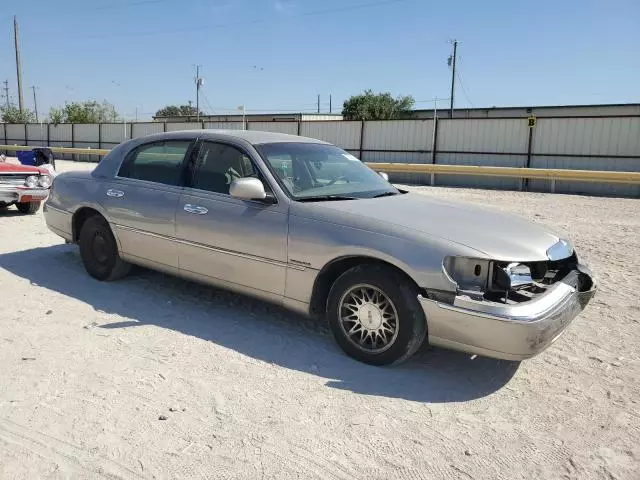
[
  {"x": 480, "y": 160},
  {"x": 60, "y": 135},
  {"x": 398, "y": 135},
  {"x": 279, "y": 127},
  {"x": 343, "y": 134},
  {"x": 320, "y": 118},
  {"x": 394, "y": 157},
  {"x": 115, "y": 133},
  {"x": 174, "y": 127},
  {"x": 487, "y": 135},
  {"x": 223, "y": 125},
  {"x": 37, "y": 134},
  {"x": 15, "y": 134},
  {"x": 142, "y": 129},
  {"x": 587, "y": 136},
  {"x": 86, "y": 135},
  {"x": 590, "y": 163},
  {"x": 2, "y": 132}
]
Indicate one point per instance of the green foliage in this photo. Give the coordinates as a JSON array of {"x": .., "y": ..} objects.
[
  {"x": 177, "y": 111},
  {"x": 12, "y": 114},
  {"x": 377, "y": 106},
  {"x": 89, "y": 111}
]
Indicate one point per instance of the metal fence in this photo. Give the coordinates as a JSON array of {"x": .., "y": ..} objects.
[{"x": 609, "y": 143}]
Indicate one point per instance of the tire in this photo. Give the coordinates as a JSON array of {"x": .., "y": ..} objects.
[
  {"x": 362, "y": 282},
  {"x": 28, "y": 208},
  {"x": 99, "y": 251}
]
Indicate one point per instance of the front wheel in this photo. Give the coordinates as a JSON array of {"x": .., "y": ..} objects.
[
  {"x": 99, "y": 251},
  {"x": 28, "y": 208},
  {"x": 375, "y": 316}
]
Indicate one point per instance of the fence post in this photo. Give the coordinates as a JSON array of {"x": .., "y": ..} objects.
[
  {"x": 362, "y": 124},
  {"x": 164, "y": 127},
  {"x": 434, "y": 148},
  {"x": 299, "y": 127},
  {"x": 48, "y": 134},
  {"x": 26, "y": 135},
  {"x": 524, "y": 183},
  {"x": 73, "y": 141},
  {"x": 4, "y": 127},
  {"x": 99, "y": 135}
]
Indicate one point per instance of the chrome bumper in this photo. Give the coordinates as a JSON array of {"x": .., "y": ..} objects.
[
  {"x": 509, "y": 332},
  {"x": 15, "y": 195}
]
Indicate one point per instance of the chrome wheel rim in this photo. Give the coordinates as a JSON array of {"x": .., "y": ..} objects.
[{"x": 368, "y": 318}]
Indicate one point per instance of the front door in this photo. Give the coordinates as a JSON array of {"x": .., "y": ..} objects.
[
  {"x": 142, "y": 201},
  {"x": 232, "y": 242}
]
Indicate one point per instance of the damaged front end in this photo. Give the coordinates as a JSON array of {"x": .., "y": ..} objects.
[{"x": 508, "y": 309}]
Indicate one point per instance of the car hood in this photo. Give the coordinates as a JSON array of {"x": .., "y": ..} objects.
[
  {"x": 9, "y": 168},
  {"x": 497, "y": 235}
]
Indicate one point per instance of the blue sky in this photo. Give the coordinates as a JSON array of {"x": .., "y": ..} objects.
[{"x": 277, "y": 55}]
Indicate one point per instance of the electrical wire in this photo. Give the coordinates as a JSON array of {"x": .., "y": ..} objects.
[
  {"x": 464, "y": 90},
  {"x": 245, "y": 23}
]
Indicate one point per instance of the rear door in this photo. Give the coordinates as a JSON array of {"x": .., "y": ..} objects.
[
  {"x": 225, "y": 239},
  {"x": 142, "y": 200}
]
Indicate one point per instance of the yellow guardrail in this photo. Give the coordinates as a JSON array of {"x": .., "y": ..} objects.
[
  {"x": 513, "y": 172},
  {"x": 552, "y": 174}
]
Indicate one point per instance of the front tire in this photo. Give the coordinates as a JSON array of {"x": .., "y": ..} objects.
[
  {"x": 99, "y": 251},
  {"x": 28, "y": 208},
  {"x": 375, "y": 316}
]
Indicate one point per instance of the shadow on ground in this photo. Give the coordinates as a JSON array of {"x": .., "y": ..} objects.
[{"x": 257, "y": 329}]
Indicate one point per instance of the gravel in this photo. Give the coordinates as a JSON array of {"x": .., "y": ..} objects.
[{"x": 251, "y": 391}]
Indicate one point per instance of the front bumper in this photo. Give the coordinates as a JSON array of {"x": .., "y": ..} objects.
[
  {"x": 509, "y": 332},
  {"x": 19, "y": 194}
]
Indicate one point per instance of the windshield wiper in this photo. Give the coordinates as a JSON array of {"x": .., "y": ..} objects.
[
  {"x": 325, "y": 198},
  {"x": 385, "y": 194}
]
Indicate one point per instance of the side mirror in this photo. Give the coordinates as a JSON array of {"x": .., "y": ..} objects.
[
  {"x": 384, "y": 175},
  {"x": 249, "y": 189}
]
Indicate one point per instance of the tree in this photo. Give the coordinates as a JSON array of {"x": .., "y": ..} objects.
[
  {"x": 377, "y": 106},
  {"x": 89, "y": 111},
  {"x": 12, "y": 114},
  {"x": 177, "y": 111}
]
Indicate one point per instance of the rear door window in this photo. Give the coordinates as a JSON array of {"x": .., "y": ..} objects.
[{"x": 159, "y": 162}]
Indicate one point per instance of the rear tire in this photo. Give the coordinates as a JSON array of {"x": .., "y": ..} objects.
[
  {"x": 375, "y": 316},
  {"x": 99, "y": 251},
  {"x": 28, "y": 208}
]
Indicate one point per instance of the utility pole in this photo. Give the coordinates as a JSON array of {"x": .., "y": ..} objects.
[
  {"x": 35, "y": 103},
  {"x": 16, "y": 35},
  {"x": 199, "y": 82},
  {"x": 452, "y": 63},
  {"x": 318, "y": 103},
  {"x": 6, "y": 92},
  {"x": 330, "y": 108}
]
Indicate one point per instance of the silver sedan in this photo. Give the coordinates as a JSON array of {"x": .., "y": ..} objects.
[{"x": 306, "y": 225}]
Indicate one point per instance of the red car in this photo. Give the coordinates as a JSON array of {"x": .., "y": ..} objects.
[{"x": 24, "y": 186}]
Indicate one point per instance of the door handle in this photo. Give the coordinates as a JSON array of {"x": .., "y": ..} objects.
[
  {"x": 195, "y": 209},
  {"x": 115, "y": 193}
]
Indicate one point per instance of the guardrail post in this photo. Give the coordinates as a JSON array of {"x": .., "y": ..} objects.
[{"x": 553, "y": 186}]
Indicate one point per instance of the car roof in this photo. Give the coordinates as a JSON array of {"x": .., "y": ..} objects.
[{"x": 255, "y": 137}]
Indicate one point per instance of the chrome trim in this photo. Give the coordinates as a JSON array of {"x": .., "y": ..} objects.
[
  {"x": 115, "y": 193},
  {"x": 195, "y": 209},
  {"x": 212, "y": 249},
  {"x": 561, "y": 249},
  {"x": 49, "y": 207}
]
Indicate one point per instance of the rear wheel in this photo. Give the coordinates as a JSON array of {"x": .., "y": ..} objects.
[
  {"x": 28, "y": 207},
  {"x": 375, "y": 316},
  {"x": 99, "y": 251}
]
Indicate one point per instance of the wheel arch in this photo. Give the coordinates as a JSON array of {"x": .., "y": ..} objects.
[
  {"x": 336, "y": 267},
  {"x": 81, "y": 215}
]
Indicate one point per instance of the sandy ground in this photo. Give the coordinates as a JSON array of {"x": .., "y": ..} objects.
[{"x": 156, "y": 377}]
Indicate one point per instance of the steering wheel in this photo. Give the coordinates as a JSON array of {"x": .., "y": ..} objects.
[{"x": 338, "y": 179}]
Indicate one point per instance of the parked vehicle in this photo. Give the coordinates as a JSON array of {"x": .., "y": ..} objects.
[
  {"x": 23, "y": 186},
  {"x": 304, "y": 224}
]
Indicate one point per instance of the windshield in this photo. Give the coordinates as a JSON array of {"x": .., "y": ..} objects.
[{"x": 308, "y": 170}]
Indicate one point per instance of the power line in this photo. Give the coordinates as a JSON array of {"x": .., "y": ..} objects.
[
  {"x": 464, "y": 90},
  {"x": 245, "y": 23}
]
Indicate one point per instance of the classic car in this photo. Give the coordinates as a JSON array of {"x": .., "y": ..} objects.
[
  {"x": 24, "y": 186},
  {"x": 305, "y": 224}
]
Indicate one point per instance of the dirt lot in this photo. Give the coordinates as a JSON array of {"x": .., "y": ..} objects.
[{"x": 87, "y": 369}]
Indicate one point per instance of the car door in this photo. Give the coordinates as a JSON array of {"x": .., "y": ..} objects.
[
  {"x": 236, "y": 243},
  {"x": 142, "y": 199}
]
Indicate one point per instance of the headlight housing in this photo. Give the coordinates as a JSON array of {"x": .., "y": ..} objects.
[
  {"x": 31, "y": 181},
  {"x": 44, "y": 181}
]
